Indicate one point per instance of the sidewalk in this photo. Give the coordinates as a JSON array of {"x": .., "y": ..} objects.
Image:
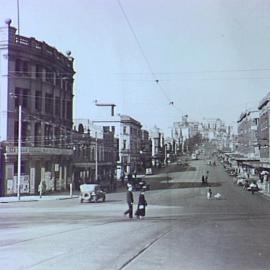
[
  {"x": 34, "y": 198},
  {"x": 65, "y": 195}
]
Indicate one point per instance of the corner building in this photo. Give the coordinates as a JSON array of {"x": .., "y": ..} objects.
[{"x": 39, "y": 79}]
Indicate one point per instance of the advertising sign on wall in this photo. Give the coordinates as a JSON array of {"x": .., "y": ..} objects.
[{"x": 12, "y": 185}]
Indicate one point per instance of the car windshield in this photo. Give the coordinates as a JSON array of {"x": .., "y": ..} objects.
[{"x": 88, "y": 187}]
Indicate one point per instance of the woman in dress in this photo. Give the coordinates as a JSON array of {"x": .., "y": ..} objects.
[{"x": 140, "y": 213}]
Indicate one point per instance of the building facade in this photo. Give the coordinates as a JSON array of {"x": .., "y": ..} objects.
[
  {"x": 158, "y": 147},
  {"x": 247, "y": 134},
  {"x": 94, "y": 157},
  {"x": 36, "y": 80},
  {"x": 129, "y": 144},
  {"x": 263, "y": 129},
  {"x": 145, "y": 152}
]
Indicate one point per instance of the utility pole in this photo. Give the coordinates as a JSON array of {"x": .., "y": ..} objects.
[
  {"x": 18, "y": 15},
  {"x": 19, "y": 151}
]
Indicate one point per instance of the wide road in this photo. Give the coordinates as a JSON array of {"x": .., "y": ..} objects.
[{"x": 182, "y": 229}]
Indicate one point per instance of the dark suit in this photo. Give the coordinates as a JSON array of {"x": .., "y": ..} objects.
[{"x": 130, "y": 204}]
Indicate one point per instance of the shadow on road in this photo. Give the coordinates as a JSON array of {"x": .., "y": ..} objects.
[{"x": 158, "y": 185}]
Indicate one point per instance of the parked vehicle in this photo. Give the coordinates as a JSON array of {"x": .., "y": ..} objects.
[
  {"x": 253, "y": 187},
  {"x": 240, "y": 180},
  {"x": 91, "y": 193},
  {"x": 139, "y": 184},
  {"x": 232, "y": 173}
]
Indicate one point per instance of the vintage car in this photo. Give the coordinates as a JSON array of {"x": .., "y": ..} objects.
[{"x": 91, "y": 193}]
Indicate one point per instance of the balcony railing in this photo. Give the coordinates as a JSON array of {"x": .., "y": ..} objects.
[{"x": 42, "y": 48}]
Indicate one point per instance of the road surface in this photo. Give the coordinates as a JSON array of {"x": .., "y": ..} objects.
[{"x": 182, "y": 229}]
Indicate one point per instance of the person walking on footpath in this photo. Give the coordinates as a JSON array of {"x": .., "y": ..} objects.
[
  {"x": 206, "y": 179},
  {"x": 142, "y": 203},
  {"x": 203, "y": 180},
  {"x": 129, "y": 202},
  {"x": 209, "y": 194}
]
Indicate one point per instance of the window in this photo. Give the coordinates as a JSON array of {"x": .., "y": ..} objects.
[
  {"x": 48, "y": 103},
  {"x": 124, "y": 144},
  {"x": 26, "y": 68},
  {"x": 38, "y": 101},
  {"x": 25, "y": 97},
  {"x": 63, "y": 109},
  {"x": 23, "y": 167},
  {"x": 69, "y": 110},
  {"x": 25, "y": 132},
  {"x": 125, "y": 130},
  {"x": 56, "y": 136},
  {"x": 106, "y": 129},
  {"x": 38, "y": 71},
  {"x": 21, "y": 97},
  {"x": 49, "y": 76},
  {"x": 18, "y": 64},
  {"x": 22, "y": 67},
  {"x": 48, "y": 134},
  {"x": 58, "y": 79},
  {"x": 57, "y": 106},
  {"x": 37, "y": 140}
]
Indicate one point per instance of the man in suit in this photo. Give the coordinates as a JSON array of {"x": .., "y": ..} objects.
[{"x": 129, "y": 202}]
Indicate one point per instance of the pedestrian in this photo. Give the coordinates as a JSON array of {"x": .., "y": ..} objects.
[
  {"x": 129, "y": 202},
  {"x": 135, "y": 173},
  {"x": 203, "y": 180},
  {"x": 142, "y": 203},
  {"x": 209, "y": 194},
  {"x": 122, "y": 179},
  {"x": 206, "y": 179}
]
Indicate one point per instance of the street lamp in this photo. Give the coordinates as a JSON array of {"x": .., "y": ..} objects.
[
  {"x": 106, "y": 105},
  {"x": 96, "y": 150}
]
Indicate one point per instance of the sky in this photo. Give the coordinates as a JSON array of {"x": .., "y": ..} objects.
[{"x": 157, "y": 60}]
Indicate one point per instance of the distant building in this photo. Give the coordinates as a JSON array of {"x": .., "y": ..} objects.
[
  {"x": 145, "y": 151},
  {"x": 263, "y": 129},
  {"x": 129, "y": 143},
  {"x": 94, "y": 157},
  {"x": 127, "y": 139},
  {"x": 183, "y": 131},
  {"x": 158, "y": 146},
  {"x": 39, "y": 79},
  {"x": 247, "y": 134}
]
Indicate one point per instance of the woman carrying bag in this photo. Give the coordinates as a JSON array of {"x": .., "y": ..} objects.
[{"x": 140, "y": 212}]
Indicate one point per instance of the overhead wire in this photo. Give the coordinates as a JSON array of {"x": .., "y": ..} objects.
[{"x": 131, "y": 28}]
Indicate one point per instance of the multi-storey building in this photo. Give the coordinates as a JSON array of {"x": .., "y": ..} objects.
[
  {"x": 158, "y": 146},
  {"x": 247, "y": 134},
  {"x": 37, "y": 79},
  {"x": 183, "y": 131},
  {"x": 129, "y": 143},
  {"x": 263, "y": 129},
  {"x": 94, "y": 155},
  {"x": 145, "y": 151},
  {"x": 127, "y": 138}
]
